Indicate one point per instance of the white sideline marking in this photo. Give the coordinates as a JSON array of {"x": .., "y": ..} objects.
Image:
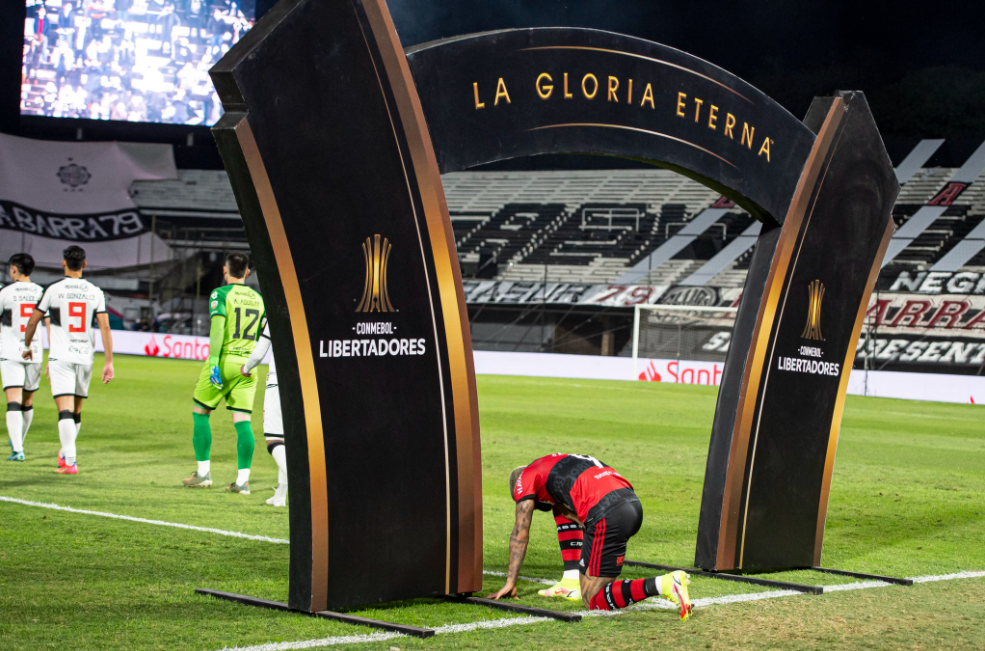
[
  {"x": 948, "y": 577},
  {"x": 323, "y": 642},
  {"x": 381, "y": 637},
  {"x": 129, "y": 518},
  {"x": 649, "y": 604}
]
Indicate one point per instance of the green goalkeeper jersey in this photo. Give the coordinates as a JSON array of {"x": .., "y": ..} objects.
[{"x": 242, "y": 310}]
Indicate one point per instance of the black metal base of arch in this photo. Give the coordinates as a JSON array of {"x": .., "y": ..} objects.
[
  {"x": 772, "y": 583},
  {"x": 862, "y": 575},
  {"x": 516, "y": 608},
  {"x": 738, "y": 578},
  {"x": 392, "y": 627}
]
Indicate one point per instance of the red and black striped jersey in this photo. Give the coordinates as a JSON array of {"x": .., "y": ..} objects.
[{"x": 579, "y": 482}]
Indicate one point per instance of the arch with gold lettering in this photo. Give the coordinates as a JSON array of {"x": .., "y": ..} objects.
[
  {"x": 524, "y": 92},
  {"x": 334, "y": 138}
]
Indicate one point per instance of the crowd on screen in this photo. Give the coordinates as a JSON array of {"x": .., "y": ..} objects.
[{"x": 131, "y": 60}]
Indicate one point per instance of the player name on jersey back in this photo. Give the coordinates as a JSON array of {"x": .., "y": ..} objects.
[
  {"x": 243, "y": 309},
  {"x": 72, "y": 304},
  {"x": 17, "y": 302}
]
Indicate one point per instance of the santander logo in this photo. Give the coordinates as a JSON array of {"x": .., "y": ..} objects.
[
  {"x": 650, "y": 374},
  {"x": 675, "y": 372},
  {"x": 162, "y": 345}
]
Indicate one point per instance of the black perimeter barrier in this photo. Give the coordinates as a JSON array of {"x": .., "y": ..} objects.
[{"x": 334, "y": 139}]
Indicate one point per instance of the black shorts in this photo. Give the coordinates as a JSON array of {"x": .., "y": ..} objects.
[{"x": 604, "y": 549}]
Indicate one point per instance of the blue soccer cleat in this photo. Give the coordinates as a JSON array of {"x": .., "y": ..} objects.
[{"x": 14, "y": 455}]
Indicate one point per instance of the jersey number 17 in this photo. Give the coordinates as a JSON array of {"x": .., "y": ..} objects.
[{"x": 249, "y": 326}]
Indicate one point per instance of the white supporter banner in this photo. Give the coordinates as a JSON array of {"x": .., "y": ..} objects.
[
  {"x": 511, "y": 292},
  {"x": 53, "y": 194}
]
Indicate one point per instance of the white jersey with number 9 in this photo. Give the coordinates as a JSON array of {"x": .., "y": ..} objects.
[
  {"x": 17, "y": 302},
  {"x": 72, "y": 304}
]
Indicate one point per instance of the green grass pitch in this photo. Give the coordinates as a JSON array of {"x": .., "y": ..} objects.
[{"x": 908, "y": 499}]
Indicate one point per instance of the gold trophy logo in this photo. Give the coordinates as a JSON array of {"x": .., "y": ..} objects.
[
  {"x": 815, "y": 293},
  {"x": 376, "y": 297}
]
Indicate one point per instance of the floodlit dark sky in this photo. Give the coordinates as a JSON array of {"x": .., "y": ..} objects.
[{"x": 740, "y": 35}]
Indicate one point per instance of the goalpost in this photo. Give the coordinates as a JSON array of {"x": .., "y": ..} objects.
[{"x": 681, "y": 332}]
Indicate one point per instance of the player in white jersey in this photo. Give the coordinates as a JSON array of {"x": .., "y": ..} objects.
[
  {"x": 273, "y": 423},
  {"x": 20, "y": 378},
  {"x": 71, "y": 303}
]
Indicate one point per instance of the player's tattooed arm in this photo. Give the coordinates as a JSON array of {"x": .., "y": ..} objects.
[
  {"x": 567, "y": 512},
  {"x": 518, "y": 547}
]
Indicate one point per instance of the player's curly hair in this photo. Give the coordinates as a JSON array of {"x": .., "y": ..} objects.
[{"x": 515, "y": 476}]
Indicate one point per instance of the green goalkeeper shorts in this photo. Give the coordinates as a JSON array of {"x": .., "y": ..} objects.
[{"x": 237, "y": 391}]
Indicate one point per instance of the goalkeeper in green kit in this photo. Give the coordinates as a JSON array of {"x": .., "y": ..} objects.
[{"x": 238, "y": 318}]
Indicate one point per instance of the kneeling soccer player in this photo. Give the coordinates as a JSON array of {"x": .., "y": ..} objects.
[
  {"x": 587, "y": 491},
  {"x": 273, "y": 422}
]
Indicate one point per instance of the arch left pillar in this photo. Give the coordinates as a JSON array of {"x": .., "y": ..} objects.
[{"x": 338, "y": 186}]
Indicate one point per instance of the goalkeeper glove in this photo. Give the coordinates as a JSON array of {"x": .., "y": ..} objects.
[{"x": 215, "y": 377}]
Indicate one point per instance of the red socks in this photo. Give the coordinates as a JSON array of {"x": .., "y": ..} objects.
[
  {"x": 620, "y": 594},
  {"x": 570, "y": 537}
]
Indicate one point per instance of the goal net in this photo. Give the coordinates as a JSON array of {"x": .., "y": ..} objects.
[{"x": 682, "y": 332}]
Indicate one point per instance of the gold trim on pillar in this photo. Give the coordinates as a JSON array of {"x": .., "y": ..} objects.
[
  {"x": 846, "y": 369},
  {"x": 752, "y": 374},
  {"x": 306, "y": 364},
  {"x": 452, "y": 299}
]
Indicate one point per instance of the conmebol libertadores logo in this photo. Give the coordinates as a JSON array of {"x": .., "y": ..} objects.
[
  {"x": 376, "y": 295},
  {"x": 815, "y": 293}
]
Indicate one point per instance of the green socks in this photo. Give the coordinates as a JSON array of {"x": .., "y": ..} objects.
[
  {"x": 201, "y": 436},
  {"x": 244, "y": 443},
  {"x": 202, "y": 440}
]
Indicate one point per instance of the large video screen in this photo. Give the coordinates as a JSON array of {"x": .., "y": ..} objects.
[{"x": 128, "y": 60}]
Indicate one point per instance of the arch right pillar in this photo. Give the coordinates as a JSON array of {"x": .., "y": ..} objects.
[{"x": 780, "y": 406}]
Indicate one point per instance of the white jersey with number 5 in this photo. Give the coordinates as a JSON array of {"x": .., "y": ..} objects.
[
  {"x": 72, "y": 304},
  {"x": 17, "y": 302}
]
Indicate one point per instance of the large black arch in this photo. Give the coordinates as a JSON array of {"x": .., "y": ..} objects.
[{"x": 334, "y": 140}]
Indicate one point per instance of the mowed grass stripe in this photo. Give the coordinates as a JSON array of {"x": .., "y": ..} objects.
[
  {"x": 508, "y": 622},
  {"x": 906, "y": 500},
  {"x": 188, "y": 527}
]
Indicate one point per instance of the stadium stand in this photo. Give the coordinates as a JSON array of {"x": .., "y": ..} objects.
[{"x": 581, "y": 226}]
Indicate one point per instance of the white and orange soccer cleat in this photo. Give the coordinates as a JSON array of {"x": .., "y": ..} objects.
[
  {"x": 68, "y": 470},
  {"x": 197, "y": 481},
  {"x": 673, "y": 586},
  {"x": 570, "y": 589}
]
